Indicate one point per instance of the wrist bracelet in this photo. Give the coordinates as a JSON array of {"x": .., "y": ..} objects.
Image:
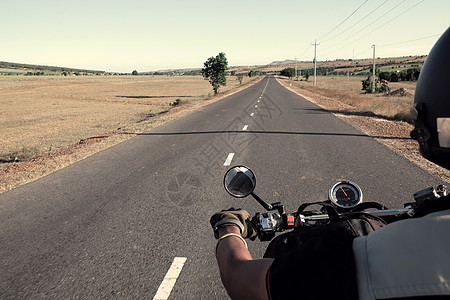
[
  {"x": 227, "y": 222},
  {"x": 231, "y": 234}
]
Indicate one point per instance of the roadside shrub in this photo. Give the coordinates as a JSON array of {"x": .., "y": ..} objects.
[
  {"x": 240, "y": 76},
  {"x": 175, "y": 103},
  {"x": 384, "y": 88},
  {"x": 367, "y": 86}
]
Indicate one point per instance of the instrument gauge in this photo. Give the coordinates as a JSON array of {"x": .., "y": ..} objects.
[{"x": 345, "y": 194}]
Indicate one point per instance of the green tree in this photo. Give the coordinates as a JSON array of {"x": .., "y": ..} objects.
[
  {"x": 395, "y": 77},
  {"x": 412, "y": 74},
  {"x": 288, "y": 72},
  {"x": 215, "y": 70},
  {"x": 384, "y": 75},
  {"x": 134, "y": 72}
]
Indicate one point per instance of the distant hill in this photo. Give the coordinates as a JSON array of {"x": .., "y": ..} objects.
[
  {"x": 283, "y": 62},
  {"x": 188, "y": 71},
  {"x": 355, "y": 66},
  {"x": 19, "y": 68}
]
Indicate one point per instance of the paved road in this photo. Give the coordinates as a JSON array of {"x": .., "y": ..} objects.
[{"x": 113, "y": 224}]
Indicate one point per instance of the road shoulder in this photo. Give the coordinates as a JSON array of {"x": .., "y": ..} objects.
[{"x": 393, "y": 134}]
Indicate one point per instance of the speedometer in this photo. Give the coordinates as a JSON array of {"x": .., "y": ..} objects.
[{"x": 345, "y": 194}]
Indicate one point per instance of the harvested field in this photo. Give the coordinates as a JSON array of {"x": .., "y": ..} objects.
[
  {"x": 45, "y": 117},
  {"x": 45, "y": 113}
]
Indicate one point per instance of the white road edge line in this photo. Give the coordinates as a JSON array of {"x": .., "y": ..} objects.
[
  {"x": 169, "y": 280},
  {"x": 245, "y": 128},
  {"x": 229, "y": 159}
]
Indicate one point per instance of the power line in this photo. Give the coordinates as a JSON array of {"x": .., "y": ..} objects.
[
  {"x": 384, "y": 24},
  {"x": 351, "y": 26},
  {"x": 346, "y": 40},
  {"x": 404, "y": 42},
  {"x": 397, "y": 43},
  {"x": 307, "y": 49},
  {"x": 357, "y": 54},
  {"x": 344, "y": 20}
]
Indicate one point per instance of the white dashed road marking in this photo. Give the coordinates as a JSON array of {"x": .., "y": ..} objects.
[
  {"x": 229, "y": 159},
  {"x": 171, "y": 277}
]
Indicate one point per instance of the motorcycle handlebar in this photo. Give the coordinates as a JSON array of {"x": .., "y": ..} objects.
[{"x": 268, "y": 224}]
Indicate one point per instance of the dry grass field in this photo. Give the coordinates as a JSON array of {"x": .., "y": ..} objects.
[
  {"x": 7, "y": 70},
  {"x": 348, "y": 90},
  {"x": 46, "y": 116},
  {"x": 39, "y": 114}
]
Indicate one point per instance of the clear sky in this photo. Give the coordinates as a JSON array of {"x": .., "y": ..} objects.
[{"x": 146, "y": 35}]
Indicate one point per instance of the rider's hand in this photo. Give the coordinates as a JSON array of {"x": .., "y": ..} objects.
[{"x": 232, "y": 216}]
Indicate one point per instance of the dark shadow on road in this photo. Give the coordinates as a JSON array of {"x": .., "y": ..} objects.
[
  {"x": 357, "y": 113},
  {"x": 311, "y": 111},
  {"x": 151, "y": 97},
  {"x": 272, "y": 132}
]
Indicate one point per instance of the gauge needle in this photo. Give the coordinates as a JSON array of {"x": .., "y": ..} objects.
[{"x": 343, "y": 191}]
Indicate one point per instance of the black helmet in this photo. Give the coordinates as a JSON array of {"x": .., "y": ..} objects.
[{"x": 432, "y": 104}]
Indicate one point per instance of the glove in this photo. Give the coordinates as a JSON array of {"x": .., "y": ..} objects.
[{"x": 238, "y": 217}]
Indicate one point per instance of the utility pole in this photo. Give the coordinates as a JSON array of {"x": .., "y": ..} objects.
[
  {"x": 300, "y": 70},
  {"x": 296, "y": 68},
  {"x": 315, "y": 60},
  {"x": 373, "y": 70}
]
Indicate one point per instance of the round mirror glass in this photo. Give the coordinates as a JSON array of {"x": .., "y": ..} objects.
[{"x": 239, "y": 181}]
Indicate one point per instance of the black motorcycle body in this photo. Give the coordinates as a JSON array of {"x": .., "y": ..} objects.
[{"x": 344, "y": 214}]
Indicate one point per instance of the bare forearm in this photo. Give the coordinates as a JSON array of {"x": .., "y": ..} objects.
[{"x": 241, "y": 276}]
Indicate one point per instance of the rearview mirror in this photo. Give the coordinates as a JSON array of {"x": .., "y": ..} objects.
[{"x": 239, "y": 181}]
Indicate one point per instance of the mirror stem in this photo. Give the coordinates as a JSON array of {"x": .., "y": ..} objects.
[{"x": 266, "y": 205}]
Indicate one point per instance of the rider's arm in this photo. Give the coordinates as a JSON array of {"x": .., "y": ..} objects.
[{"x": 243, "y": 277}]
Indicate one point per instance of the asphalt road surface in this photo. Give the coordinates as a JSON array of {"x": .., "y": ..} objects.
[{"x": 114, "y": 224}]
